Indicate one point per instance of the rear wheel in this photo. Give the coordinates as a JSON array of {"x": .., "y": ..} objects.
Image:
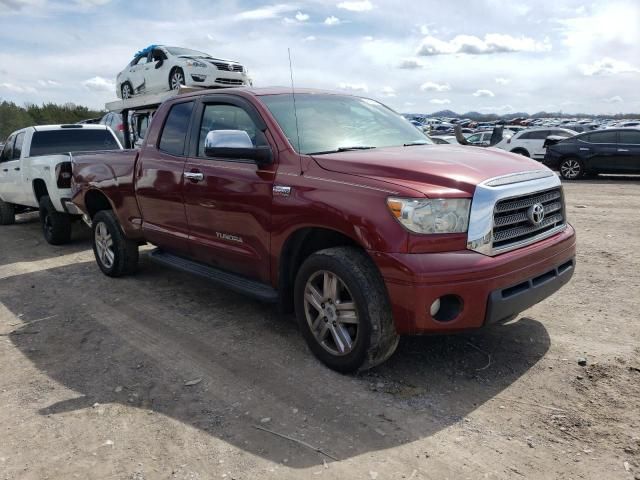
[
  {"x": 7, "y": 213},
  {"x": 571, "y": 169},
  {"x": 116, "y": 255},
  {"x": 343, "y": 310},
  {"x": 176, "y": 79},
  {"x": 126, "y": 90},
  {"x": 56, "y": 226}
]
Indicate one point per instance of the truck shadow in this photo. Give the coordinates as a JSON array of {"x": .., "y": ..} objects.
[
  {"x": 27, "y": 232},
  {"x": 166, "y": 343}
]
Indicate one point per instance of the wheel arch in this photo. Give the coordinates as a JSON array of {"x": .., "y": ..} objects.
[
  {"x": 297, "y": 247},
  {"x": 96, "y": 201},
  {"x": 39, "y": 189},
  {"x": 520, "y": 151}
]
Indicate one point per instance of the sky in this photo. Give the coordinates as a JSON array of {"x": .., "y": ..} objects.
[{"x": 414, "y": 55}]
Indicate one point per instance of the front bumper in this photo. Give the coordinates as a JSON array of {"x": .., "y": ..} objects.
[
  {"x": 206, "y": 77},
  {"x": 489, "y": 289}
]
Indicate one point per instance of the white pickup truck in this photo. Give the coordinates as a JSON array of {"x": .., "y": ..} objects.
[{"x": 35, "y": 173}]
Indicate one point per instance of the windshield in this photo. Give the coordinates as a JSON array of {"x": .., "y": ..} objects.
[
  {"x": 330, "y": 123},
  {"x": 177, "y": 51}
]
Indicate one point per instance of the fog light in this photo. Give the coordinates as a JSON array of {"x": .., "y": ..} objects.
[{"x": 435, "y": 307}]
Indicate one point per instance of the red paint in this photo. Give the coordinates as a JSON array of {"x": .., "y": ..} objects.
[{"x": 343, "y": 192}]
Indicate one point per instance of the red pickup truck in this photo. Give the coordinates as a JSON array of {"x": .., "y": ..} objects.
[{"x": 333, "y": 206}]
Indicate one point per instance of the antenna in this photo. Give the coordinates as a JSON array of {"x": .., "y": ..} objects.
[{"x": 295, "y": 109}]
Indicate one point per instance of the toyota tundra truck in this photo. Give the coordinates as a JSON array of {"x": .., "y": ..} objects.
[{"x": 335, "y": 207}]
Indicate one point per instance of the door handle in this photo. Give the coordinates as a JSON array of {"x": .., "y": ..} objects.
[
  {"x": 194, "y": 176},
  {"x": 17, "y": 169},
  {"x": 584, "y": 149},
  {"x": 5, "y": 169},
  {"x": 623, "y": 150}
]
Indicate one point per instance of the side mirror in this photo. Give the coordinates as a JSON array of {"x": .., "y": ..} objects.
[
  {"x": 159, "y": 63},
  {"x": 235, "y": 144}
]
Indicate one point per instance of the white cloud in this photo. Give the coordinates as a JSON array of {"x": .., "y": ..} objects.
[
  {"x": 264, "y": 13},
  {"x": 498, "y": 109},
  {"x": 331, "y": 20},
  {"x": 99, "y": 84},
  {"x": 48, "y": 83},
  {"x": 484, "y": 93},
  {"x": 411, "y": 64},
  {"x": 17, "y": 88},
  {"x": 310, "y": 38},
  {"x": 440, "y": 101},
  {"x": 614, "y": 99},
  {"x": 368, "y": 38},
  {"x": 424, "y": 29},
  {"x": 354, "y": 87},
  {"x": 503, "y": 81},
  {"x": 608, "y": 66},
  {"x": 356, "y": 5},
  {"x": 472, "y": 45},
  {"x": 388, "y": 91},
  {"x": 302, "y": 17},
  {"x": 435, "y": 87}
]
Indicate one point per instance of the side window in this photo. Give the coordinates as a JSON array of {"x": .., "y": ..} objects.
[
  {"x": 17, "y": 147},
  {"x": 602, "y": 137},
  {"x": 631, "y": 137},
  {"x": 7, "y": 151},
  {"x": 474, "y": 138},
  {"x": 228, "y": 117},
  {"x": 141, "y": 60},
  {"x": 157, "y": 55},
  {"x": 175, "y": 129},
  {"x": 561, "y": 133},
  {"x": 525, "y": 136}
]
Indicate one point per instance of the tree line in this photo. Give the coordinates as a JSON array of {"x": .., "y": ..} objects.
[{"x": 13, "y": 117}]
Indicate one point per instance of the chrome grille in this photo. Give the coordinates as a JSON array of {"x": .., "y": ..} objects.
[
  {"x": 230, "y": 67},
  {"x": 512, "y": 225},
  {"x": 230, "y": 81}
]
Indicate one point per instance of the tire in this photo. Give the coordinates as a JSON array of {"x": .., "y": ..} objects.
[
  {"x": 7, "y": 213},
  {"x": 176, "y": 78},
  {"x": 126, "y": 90},
  {"x": 108, "y": 237},
  {"x": 370, "y": 328},
  {"x": 56, "y": 226},
  {"x": 571, "y": 168},
  {"x": 521, "y": 151}
]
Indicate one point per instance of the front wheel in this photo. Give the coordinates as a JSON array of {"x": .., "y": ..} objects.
[
  {"x": 343, "y": 310},
  {"x": 115, "y": 254},
  {"x": 571, "y": 169},
  {"x": 126, "y": 90},
  {"x": 56, "y": 226},
  {"x": 176, "y": 79}
]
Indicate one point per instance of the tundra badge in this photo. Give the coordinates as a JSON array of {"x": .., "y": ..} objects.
[{"x": 281, "y": 191}]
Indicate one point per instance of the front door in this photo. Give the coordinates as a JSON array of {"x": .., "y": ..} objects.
[
  {"x": 156, "y": 71},
  {"x": 10, "y": 179},
  {"x": 603, "y": 146},
  {"x": 159, "y": 184},
  {"x": 228, "y": 202},
  {"x": 628, "y": 151}
]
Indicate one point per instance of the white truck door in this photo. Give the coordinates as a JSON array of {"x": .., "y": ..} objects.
[{"x": 9, "y": 173}]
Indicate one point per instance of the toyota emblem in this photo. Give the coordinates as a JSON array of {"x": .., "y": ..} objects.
[{"x": 536, "y": 214}]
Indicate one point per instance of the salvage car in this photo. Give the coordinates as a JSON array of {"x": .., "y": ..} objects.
[
  {"x": 159, "y": 68},
  {"x": 333, "y": 206},
  {"x": 35, "y": 173},
  {"x": 605, "y": 151},
  {"x": 530, "y": 142}
]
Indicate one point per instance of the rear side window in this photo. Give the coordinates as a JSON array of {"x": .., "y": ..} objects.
[
  {"x": 52, "y": 142},
  {"x": 17, "y": 147},
  {"x": 630, "y": 138},
  {"x": 174, "y": 133},
  {"x": 537, "y": 135},
  {"x": 560, "y": 133},
  {"x": 602, "y": 137}
]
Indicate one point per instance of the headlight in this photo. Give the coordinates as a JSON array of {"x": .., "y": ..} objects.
[
  {"x": 194, "y": 63},
  {"x": 432, "y": 215}
]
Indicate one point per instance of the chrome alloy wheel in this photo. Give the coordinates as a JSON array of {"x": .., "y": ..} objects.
[
  {"x": 177, "y": 79},
  {"x": 570, "y": 169},
  {"x": 331, "y": 313},
  {"x": 104, "y": 245}
]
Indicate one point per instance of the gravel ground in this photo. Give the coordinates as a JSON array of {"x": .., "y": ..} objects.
[{"x": 162, "y": 375}]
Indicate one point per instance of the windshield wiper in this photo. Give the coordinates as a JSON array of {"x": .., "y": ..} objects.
[
  {"x": 342, "y": 149},
  {"x": 417, "y": 142}
]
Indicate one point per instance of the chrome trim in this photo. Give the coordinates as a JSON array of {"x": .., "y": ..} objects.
[{"x": 488, "y": 193}]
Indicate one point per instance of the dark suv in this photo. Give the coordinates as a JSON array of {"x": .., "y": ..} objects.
[{"x": 615, "y": 150}]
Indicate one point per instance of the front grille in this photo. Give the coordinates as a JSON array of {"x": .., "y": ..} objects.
[
  {"x": 511, "y": 218},
  {"x": 230, "y": 67},
  {"x": 230, "y": 81}
]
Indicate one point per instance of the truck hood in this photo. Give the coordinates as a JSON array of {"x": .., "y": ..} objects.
[{"x": 430, "y": 169}]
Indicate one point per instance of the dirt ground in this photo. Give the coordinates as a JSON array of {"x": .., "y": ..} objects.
[{"x": 164, "y": 376}]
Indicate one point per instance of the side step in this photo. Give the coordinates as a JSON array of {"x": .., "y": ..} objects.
[{"x": 231, "y": 281}]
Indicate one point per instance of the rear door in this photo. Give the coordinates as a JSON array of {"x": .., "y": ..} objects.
[
  {"x": 603, "y": 150},
  {"x": 156, "y": 72},
  {"x": 159, "y": 183},
  {"x": 229, "y": 208},
  {"x": 536, "y": 143},
  {"x": 627, "y": 159}
]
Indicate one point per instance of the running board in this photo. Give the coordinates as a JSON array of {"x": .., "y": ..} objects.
[{"x": 231, "y": 281}]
